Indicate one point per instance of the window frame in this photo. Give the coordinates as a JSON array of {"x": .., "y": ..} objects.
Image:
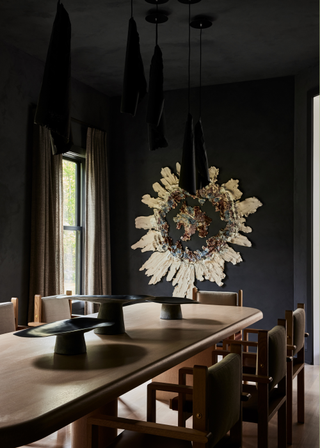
[{"x": 79, "y": 160}]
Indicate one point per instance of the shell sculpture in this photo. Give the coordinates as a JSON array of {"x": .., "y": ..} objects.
[{"x": 181, "y": 265}]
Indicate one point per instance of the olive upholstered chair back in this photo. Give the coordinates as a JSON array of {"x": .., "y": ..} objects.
[
  {"x": 224, "y": 396},
  {"x": 296, "y": 322}
]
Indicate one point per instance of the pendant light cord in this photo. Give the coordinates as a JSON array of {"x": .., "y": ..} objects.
[
  {"x": 157, "y": 25},
  {"x": 189, "y": 57},
  {"x": 200, "y": 75},
  {"x": 131, "y": 9}
]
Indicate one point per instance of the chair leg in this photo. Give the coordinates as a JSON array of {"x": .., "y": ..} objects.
[
  {"x": 236, "y": 434},
  {"x": 263, "y": 440},
  {"x": 289, "y": 401},
  {"x": 263, "y": 415},
  {"x": 282, "y": 425},
  {"x": 300, "y": 387}
]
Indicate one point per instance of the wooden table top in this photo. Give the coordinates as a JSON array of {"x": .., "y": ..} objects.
[{"x": 41, "y": 392}]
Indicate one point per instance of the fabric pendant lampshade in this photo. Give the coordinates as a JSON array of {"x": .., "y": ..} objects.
[
  {"x": 155, "y": 118},
  {"x": 156, "y": 135},
  {"x": 53, "y": 109},
  {"x": 134, "y": 81},
  {"x": 58, "y": 146},
  {"x": 156, "y": 98},
  {"x": 202, "y": 171},
  {"x": 187, "y": 179}
]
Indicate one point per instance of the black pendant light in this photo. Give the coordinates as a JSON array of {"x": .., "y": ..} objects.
[
  {"x": 202, "y": 172},
  {"x": 187, "y": 179},
  {"x": 155, "y": 110},
  {"x": 53, "y": 108},
  {"x": 134, "y": 81}
]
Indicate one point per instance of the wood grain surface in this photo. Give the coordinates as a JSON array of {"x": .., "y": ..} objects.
[{"x": 42, "y": 392}]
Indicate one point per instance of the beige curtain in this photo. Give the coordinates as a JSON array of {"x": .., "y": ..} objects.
[
  {"x": 97, "y": 232},
  {"x": 46, "y": 264}
]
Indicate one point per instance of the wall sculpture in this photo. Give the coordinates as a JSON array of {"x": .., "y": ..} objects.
[{"x": 182, "y": 265}]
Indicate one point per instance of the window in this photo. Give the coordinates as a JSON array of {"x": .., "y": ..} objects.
[{"x": 73, "y": 182}]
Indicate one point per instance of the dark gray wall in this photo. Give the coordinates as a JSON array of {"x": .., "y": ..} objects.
[
  {"x": 249, "y": 132},
  {"x": 20, "y": 82}
]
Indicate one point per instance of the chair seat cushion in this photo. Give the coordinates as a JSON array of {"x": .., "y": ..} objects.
[{"x": 137, "y": 440}]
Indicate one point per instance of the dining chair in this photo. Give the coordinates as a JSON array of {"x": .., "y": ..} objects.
[
  {"x": 9, "y": 312},
  {"x": 220, "y": 298},
  {"x": 216, "y": 395},
  {"x": 7, "y": 317},
  {"x": 268, "y": 393},
  {"x": 210, "y": 355},
  {"x": 50, "y": 309},
  {"x": 295, "y": 367}
]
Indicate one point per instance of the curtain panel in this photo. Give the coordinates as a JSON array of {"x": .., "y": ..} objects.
[
  {"x": 46, "y": 263},
  {"x": 97, "y": 229}
]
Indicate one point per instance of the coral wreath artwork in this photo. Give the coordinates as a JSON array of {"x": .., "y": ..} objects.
[{"x": 182, "y": 265}]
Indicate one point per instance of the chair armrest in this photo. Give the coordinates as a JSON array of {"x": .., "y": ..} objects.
[
  {"x": 35, "y": 324},
  {"x": 251, "y": 330},
  {"x": 159, "y": 429},
  {"x": 291, "y": 347},
  {"x": 245, "y": 396},
  {"x": 166, "y": 387},
  {"x": 169, "y": 387},
  {"x": 183, "y": 372},
  {"x": 222, "y": 352},
  {"x": 186, "y": 370},
  {"x": 243, "y": 343},
  {"x": 257, "y": 378},
  {"x": 249, "y": 355}
]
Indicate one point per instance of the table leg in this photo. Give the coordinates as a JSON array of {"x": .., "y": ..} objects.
[{"x": 101, "y": 436}]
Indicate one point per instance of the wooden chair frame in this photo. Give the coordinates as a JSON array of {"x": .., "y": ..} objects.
[
  {"x": 207, "y": 357},
  {"x": 15, "y": 302},
  {"x": 266, "y": 411},
  {"x": 295, "y": 368},
  {"x": 232, "y": 337},
  {"x": 199, "y": 434}
]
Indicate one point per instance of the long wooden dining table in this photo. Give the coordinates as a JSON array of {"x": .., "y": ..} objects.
[{"x": 41, "y": 392}]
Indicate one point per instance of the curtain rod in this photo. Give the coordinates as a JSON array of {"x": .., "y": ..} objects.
[{"x": 76, "y": 120}]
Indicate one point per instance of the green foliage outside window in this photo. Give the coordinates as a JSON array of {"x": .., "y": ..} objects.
[
  {"x": 69, "y": 193},
  {"x": 70, "y": 219}
]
